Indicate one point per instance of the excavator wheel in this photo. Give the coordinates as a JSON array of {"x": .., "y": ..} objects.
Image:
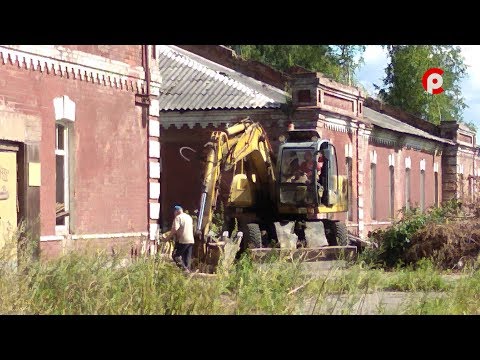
[
  {"x": 252, "y": 236},
  {"x": 341, "y": 233}
]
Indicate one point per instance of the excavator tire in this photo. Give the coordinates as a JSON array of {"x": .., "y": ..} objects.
[
  {"x": 252, "y": 235},
  {"x": 341, "y": 233}
]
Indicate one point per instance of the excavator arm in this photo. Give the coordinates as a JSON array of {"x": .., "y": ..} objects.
[{"x": 245, "y": 141}]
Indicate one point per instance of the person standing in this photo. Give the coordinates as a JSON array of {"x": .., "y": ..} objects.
[{"x": 182, "y": 229}]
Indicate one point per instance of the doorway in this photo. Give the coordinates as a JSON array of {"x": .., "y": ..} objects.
[{"x": 8, "y": 198}]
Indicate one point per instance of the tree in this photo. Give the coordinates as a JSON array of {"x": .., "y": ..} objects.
[
  {"x": 350, "y": 58},
  {"x": 403, "y": 81},
  {"x": 336, "y": 62}
]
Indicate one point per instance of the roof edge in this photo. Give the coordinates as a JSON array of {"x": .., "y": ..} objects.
[
  {"x": 403, "y": 116},
  {"x": 227, "y": 57}
]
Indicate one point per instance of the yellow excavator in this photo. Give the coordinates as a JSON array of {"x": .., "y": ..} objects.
[{"x": 280, "y": 202}]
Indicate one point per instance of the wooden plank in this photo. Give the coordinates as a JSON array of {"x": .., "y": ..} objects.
[
  {"x": 29, "y": 197},
  {"x": 8, "y": 147}
]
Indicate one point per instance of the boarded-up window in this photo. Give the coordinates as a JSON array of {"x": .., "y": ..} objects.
[
  {"x": 407, "y": 188},
  {"x": 461, "y": 187},
  {"x": 350, "y": 189},
  {"x": 422, "y": 190},
  {"x": 392, "y": 192}
]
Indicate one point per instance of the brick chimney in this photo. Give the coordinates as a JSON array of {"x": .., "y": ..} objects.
[{"x": 314, "y": 90}]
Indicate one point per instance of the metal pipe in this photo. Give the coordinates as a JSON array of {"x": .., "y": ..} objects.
[
  {"x": 358, "y": 187},
  {"x": 147, "y": 71},
  {"x": 146, "y": 113},
  {"x": 203, "y": 199}
]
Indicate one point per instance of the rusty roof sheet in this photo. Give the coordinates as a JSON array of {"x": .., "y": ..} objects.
[
  {"x": 387, "y": 122},
  {"x": 190, "y": 82}
]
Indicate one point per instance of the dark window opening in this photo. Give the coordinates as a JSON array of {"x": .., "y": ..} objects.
[
  {"x": 461, "y": 188},
  {"x": 304, "y": 96},
  {"x": 407, "y": 189},
  {"x": 373, "y": 186},
  {"x": 350, "y": 189}
]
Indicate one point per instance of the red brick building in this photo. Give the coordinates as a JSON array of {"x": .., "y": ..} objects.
[
  {"x": 75, "y": 119},
  {"x": 81, "y": 128},
  {"x": 393, "y": 159}
]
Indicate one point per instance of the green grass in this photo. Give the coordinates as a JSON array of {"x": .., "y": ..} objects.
[
  {"x": 462, "y": 298},
  {"x": 101, "y": 284},
  {"x": 97, "y": 284}
]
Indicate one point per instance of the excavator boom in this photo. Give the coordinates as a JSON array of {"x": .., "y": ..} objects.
[{"x": 245, "y": 141}]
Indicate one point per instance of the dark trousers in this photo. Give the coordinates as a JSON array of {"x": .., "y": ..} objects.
[{"x": 182, "y": 255}]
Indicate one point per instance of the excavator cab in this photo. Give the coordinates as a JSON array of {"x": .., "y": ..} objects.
[{"x": 308, "y": 175}]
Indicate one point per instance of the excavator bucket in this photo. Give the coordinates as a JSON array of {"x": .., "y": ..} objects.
[
  {"x": 316, "y": 248},
  {"x": 327, "y": 253}
]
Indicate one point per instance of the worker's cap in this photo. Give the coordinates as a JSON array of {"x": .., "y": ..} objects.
[{"x": 177, "y": 208}]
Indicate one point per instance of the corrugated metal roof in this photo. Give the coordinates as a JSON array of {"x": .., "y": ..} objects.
[
  {"x": 190, "y": 82},
  {"x": 387, "y": 122}
]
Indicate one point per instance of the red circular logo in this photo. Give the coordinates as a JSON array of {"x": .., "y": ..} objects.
[{"x": 432, "y": 81}]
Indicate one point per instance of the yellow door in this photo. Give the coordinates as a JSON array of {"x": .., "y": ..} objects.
[{"x": 8, "y": 203}]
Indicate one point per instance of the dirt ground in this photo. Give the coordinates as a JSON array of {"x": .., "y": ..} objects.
[{"x": 379, "y": 302}]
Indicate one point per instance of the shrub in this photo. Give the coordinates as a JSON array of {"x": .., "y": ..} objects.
[{"x": 394, "y": 242}]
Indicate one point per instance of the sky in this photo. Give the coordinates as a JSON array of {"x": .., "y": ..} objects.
[{"x": 373, "y": 71}]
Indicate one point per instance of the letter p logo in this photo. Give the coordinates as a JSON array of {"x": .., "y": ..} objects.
[{"x": 432, "y": 81}]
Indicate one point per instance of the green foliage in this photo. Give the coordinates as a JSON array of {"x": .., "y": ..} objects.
[
  {"x": 264, "y": 289},
  {"x": 349, "y": 58},
  {"x": 394, "y": 241},
  {"x": 424, "y": 277},
  {"x": 403, "y": 81},
  {"x": 471, "y": 125},
  {"x": 462, "y": 298},
  {"x": 338, "y": 62},
  {"x": 218, "y": 220}
]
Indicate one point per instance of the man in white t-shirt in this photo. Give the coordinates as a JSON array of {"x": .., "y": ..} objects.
[{"x": 182, "y": 229}]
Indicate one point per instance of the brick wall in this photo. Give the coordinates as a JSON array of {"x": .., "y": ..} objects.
[
  {"x": 54, "y": 249},
  {"x": 109, "y": 192},
  {"x": 130, "y": 54}
]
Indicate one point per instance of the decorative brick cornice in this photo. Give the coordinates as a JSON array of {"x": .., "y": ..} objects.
[
  {"x": 75, "y": 65},
  {"x": 202, "y": 118},
  {"x": 399, "y": 140},
  {"x": 376, "y": 140},
  {"x": 340, "y": 125}
]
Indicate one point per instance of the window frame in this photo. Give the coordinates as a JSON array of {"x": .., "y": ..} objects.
[
  {"x": 373, "y": 191},
  {"x": 65, "y": 228},
  {"x": 349, "y": 167},
  {"x": 391, "y": 204},
  {"x": 407, "y": 188},
  {"x": 422, "y": 190}
]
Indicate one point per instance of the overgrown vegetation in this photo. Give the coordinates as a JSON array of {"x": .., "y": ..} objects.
[
  {"x": 338, "y": 62},
  {"x": 395, "y": 241},
  {"x": 105, "y": 283}
]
